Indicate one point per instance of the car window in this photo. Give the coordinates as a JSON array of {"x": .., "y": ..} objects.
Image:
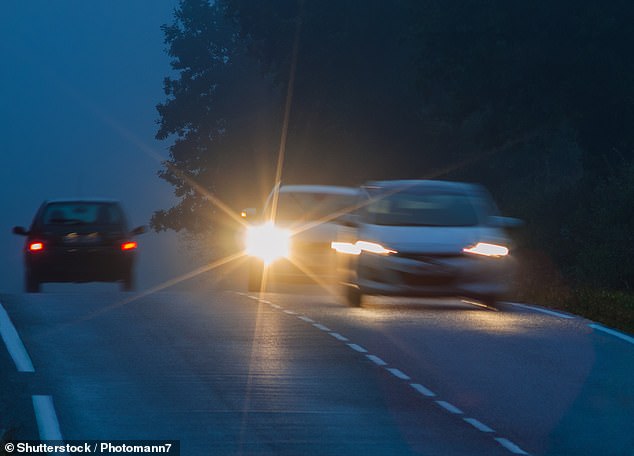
[
  {"x": 422, "y": 209},
  {"x": 309, "y": 206},
  {"x": 82, "y": 214}
]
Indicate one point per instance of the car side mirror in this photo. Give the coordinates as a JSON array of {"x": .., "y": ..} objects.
[
  {"x": 138, "y": 230},
  {"x": 505, "y": 222},
  {"x": 20, "y": 230}
]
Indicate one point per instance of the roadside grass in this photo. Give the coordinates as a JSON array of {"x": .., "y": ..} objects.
[{"x": 541, "y": 283}]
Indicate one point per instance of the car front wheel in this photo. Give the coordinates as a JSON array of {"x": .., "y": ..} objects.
[
  {"x": 256, "y": 273},
  {"x": 32, "y": 283}
]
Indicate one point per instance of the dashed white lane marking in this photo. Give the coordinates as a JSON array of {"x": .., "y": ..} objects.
[
  {"x": 450, "y": 407},
  {"x": 422, "y": 390},
  {"x": 338, "y": 336},
  {"x": 358, "y": 348},
  {"x": 506, "y": 443},
  {"x": 612, "y": 332},
  {"x": 478, "y": 425},
  {"x": 376, "y": 360},
  {"x": 46, "y": 418},
  {"x": 510, "y": 446},
  {"x": 544, "y": 311},
  {"x": 14, "y": 344},
  {"x": 398, "y": 373}
]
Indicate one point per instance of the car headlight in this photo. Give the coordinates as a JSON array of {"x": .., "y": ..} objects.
[
  {"x": 346, "y": 247},
  {"x": 373, "y": 247},
  {"x": 267, "y": 242},
  {"x": 487, "y": 249}
]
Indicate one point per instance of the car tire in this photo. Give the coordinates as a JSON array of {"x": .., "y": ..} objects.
[
  {"x": 32, "y": 283},
  {"x": 256, "y": 273},
  {"x": 354, "y": 297},
  {"x": 128, "y": 282}
]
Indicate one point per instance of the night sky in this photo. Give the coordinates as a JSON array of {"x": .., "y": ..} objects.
[{"x": 79, "y": 84}]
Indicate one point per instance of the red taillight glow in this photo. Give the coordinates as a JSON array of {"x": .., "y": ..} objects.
[
  {"x": 128, "y": 245},
  {"x": 36, "y": 247}
]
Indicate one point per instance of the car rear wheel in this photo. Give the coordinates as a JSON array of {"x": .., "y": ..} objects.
[
  {"x": 256, "y": 272},
  {"x": 353, "y": 296},
  {"x": 32, "y": 283},
  {"x": 128, "y": 282}
]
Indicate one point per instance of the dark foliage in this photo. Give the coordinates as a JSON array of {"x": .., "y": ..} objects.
[{"x": 533, "y": 99}]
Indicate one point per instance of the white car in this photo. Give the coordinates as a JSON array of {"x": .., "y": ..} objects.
[
  {"x": 292, "y": 239},
  {"x": 428, "y": 238}
]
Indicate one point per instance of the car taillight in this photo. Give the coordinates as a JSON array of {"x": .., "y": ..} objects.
[
  {"x": 128, "y": 245},
  {"x": 36, "y": 246}
]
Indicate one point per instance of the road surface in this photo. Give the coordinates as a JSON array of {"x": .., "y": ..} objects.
[{"x": 230, "y": 372}]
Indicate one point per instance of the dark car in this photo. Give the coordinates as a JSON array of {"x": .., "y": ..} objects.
[{"x": 79, "y": 241}]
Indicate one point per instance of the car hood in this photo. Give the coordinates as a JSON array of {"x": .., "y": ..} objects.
[
  {"x": 315, "y": 232},
  {"x": 428, "y": 239}
]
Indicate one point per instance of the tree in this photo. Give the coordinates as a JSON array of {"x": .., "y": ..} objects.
[{"x": 207, "y": 106}]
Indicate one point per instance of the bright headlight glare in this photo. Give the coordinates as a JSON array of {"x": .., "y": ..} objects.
[
  {"x": 346, "y": 247},
  {"x": 486, "y": 249},
  {"x": 373, "y": 247},
  {"x": 267, "y": 242}
]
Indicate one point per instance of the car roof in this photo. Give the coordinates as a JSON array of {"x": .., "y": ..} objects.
[
  {"x": 331, "y": 189},
  {"x": 422, "y": 183}
]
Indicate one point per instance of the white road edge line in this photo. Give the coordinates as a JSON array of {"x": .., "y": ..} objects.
[
  {"x": 510, "y": 446},
  {"x": 612, "y": 332},
  {"x": 544, "y": 311},
  {"x": 14, "y": 344},
  {"x": 422, "y": 390},
  {"x": 46, "y": 418},
  {"x": 450, "y": 407},
  {"x": 480, "y": 426}
]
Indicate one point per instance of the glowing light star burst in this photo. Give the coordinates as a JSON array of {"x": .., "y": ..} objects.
[{"x": 267, "y": 242}]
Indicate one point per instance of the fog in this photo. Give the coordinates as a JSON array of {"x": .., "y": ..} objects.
[{"x": 79, "y": 85}]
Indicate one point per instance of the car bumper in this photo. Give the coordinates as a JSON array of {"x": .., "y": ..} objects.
[
  {"x": 80, "y": 265},
  {"x": 459, "y": 275},
  {"x": 306, "y": 265}
]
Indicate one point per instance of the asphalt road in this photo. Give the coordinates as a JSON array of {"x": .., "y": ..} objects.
[{"x": 229, "y": 372}]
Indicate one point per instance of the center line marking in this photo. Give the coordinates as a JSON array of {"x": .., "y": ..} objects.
[
  {"x": 376, "y": 360},
  {"x": 358, "y": 348},
  {"x": 421, "y": 389},
  {"x": 449, "y": 407},
  {"x": 306, "y": 319},
  {"x": 339, "y": 336},
  {"x": 510, "y": 446},
  {"x": 478, "y": 425},
  {"x": 321, "y": 327},
  {"x": 398, "y": 373}
]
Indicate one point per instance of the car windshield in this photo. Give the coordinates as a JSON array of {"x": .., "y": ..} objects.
[
  {"x": 82, "y": 213},
  {"x": 422, "y": 209},
  {"x": 311, "y": 206}
]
